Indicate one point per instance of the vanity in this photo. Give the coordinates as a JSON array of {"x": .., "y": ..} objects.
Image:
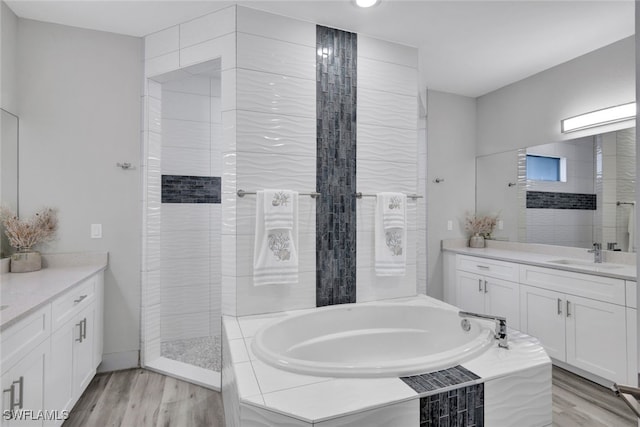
[
  {"x": 51, "y": 330},
  {"x": 583, "y": 313}
]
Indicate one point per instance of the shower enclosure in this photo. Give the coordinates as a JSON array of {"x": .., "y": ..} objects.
[{"x": 182, "y": 272}]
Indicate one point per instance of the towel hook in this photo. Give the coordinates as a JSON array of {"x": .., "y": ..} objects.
[{"x": 438, "y": 180}]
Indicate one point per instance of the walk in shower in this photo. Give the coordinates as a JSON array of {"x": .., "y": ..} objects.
[{"x": 184, "y": 166}]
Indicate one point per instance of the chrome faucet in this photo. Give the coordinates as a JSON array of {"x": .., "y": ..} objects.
[
  {"x": 501, "y": 326},
  {"x": 597, "y": 252}
]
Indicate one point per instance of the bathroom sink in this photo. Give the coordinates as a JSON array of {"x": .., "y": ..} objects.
[{"x": 587, "y": 264}]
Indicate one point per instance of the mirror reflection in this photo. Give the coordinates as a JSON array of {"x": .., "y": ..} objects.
[
  {"x": 569, "y": 193},
  {"x": 9, "y": 126}
]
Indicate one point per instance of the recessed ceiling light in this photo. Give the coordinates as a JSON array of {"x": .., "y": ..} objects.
[{"x": 367, "y": 3}]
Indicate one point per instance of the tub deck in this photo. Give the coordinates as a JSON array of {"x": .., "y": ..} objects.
[{"x": 499, "y": 387}]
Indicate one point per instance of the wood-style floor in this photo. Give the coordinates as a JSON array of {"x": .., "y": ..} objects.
[{"x": 140, "y": 398}]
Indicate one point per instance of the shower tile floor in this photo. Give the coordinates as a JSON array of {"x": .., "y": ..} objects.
[{"x": 204, "y": 352}]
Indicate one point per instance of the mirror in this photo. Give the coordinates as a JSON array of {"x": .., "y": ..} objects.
[
  {"x": 569, "y": 193},
  {"x": 9, "y": 126}
]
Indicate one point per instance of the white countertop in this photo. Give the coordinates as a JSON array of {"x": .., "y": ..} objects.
[
  {"x": 23, "y": 293},
  {"x": 607, "y": 269}
]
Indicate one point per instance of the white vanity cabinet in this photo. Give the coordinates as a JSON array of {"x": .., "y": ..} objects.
[
  {"x": 73, "y": 345},
  {"x": 49, "y": 356},
  {"x": 25, "y": 352},
  {"x": 559, "y": 308},
  {"x": 489, "y": 287}
]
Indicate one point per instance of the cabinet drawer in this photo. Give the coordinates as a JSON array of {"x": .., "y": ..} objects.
[
  {"x": 488, "y": 267},
  {"x": 69, "y": 304},
  {"x": 583, "y": 285},
  {"x": 19, "y": 339}
]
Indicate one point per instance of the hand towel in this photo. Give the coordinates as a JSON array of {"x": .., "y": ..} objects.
[
  {"x": 631, "y": 227},
  {"x": 390, "y": 234},
  {"x": 275, "y": 255}
]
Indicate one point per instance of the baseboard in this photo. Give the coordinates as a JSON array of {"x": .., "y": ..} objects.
[{"x": 119, "y": 361}]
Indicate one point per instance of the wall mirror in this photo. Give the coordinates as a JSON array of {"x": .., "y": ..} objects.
[
  {"x": 569, "y": 193},
  {"x": 9, "y": 126}
]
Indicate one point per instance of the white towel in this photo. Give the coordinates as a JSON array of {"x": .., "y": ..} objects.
[
  {"x": 275, "y": 255},
  {"x": 391, "y": 234},
  {"x": 631, "y": 227},
  {"x": 278, "y": 209}
]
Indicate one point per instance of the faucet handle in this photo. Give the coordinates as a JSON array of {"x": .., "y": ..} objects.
[{"x": 597, "y": 245}]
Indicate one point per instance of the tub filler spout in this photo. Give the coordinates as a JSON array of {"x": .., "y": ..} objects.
[{"x": 501, "y": 326}]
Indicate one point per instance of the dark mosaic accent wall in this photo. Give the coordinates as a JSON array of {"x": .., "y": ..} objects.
[
  {"x": 436, "y": 380},
  {"x": 190, "y": 189},
  {"x": 551, "y": 200},
  {"x": 461, "y": 407},
  {"x": 336, "y": 166}
]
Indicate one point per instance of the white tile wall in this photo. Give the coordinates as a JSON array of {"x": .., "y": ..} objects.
[
  {"x": 207, "y": 27},
  {"x": 268, "y": 140},
  {"x": 387, "y": 152},
  {"x": 161, "y": 43},
  {"x": 275, "y": 56},
  {"x": 256, "y": 22}
]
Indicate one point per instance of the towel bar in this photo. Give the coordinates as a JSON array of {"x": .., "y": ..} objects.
[
  {"x": 618, "y": 203},
  {"x": 360, "y": 195},
  {"x": 242, "y": 193}
]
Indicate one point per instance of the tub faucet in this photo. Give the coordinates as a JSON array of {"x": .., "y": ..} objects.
[
  {"x": 501, "y": 326},
  {"x": 597, "y": 252}
]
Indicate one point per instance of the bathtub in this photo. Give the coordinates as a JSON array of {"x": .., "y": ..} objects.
[{"x": 371, "y": 340}]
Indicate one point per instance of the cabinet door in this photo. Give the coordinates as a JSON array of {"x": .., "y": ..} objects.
[
  {"x": 83, "y": 361},
  {"x": 59, "y": 394},
  {"x": 470, "y": 292},
  {"x": 542, "y": 316},
  {"x": 596, "y": 338},
  {"x": 26, "y": 380},
  {"x": 502, "y": 298}
]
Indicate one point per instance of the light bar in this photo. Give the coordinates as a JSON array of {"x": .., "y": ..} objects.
[{"x": 602, "y": 117}]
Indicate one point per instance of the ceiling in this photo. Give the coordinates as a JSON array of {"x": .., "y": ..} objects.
[{"x": 466, "y": 47}]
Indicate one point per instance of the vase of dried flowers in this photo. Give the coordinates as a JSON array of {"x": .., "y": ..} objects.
[
  {"x": 24, "y": 234},
  {"x": 480, "y": 229}
]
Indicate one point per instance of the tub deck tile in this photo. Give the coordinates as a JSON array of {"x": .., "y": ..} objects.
[{"x": 433, "y": 381}]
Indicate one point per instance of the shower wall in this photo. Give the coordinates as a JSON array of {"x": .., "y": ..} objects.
[{"x": 190, "y": 211}]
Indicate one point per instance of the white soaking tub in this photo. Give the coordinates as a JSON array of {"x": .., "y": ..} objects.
[{"x": 371, "y": 340}]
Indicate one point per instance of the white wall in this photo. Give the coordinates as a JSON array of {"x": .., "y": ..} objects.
[
  {"x": 79, "y": 107},
  {"x": 528, "y": 112},
  {"x": 386, "y": 157},
  {"x": 451, "y": 155},
  {"x": 8, "y": 45}
]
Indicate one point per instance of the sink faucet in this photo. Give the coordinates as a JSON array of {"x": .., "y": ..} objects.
[
  {"x": 501, "y": 326},
  {"x": 597, "y": 252}
]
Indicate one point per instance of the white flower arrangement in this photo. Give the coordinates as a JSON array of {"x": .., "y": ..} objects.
[
  {"x": 23, "y": 234},
  {"x": 481, "y": 225}
]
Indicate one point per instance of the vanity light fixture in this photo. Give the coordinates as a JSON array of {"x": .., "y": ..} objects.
[
  {"x": 366, "y": 3},
  {"x": 606, "y": 116}
]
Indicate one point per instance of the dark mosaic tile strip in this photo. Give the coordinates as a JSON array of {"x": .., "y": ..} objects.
[
  {"x": 336, "y": 166},
  {"x": 551, "y": 200},
  {"x": 461, "y": 407},
  {"x": 190, "y": 189},
  {"x": 436, "y": 380}
]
